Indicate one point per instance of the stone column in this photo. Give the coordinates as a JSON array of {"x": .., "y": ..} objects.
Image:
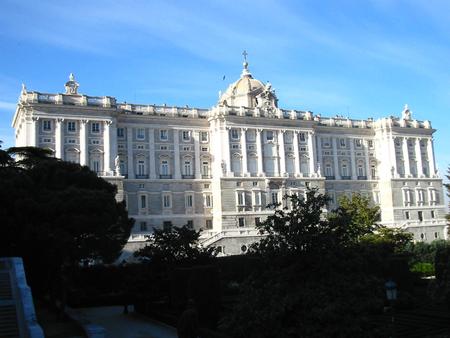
[
  {"x": 296, "y": 154},
  {"x": 319, "y": 156},
  {"x": 312, "y": 161},
  {"x": 59, "y": 137},
  {"x": 391, "y": 140},
  {"x": 406, "y": 157},
  {"x": 34, "y": 139},
  {"x": 107, "y": 147},
  {"x": 276, "y": 167},
  {"x": 337, "y": 175},
  {"x": 366, "y": 159},
  {"x": 176, "y": 154},
  {"x": 130, "y": 159},
  {"x": 282, "y": 153},
  {"x": 198, "y": 171},
  {"x": 113, "y": 145},
  {"x": 419, "y": 159},
  {"x": 225, "y": 146},
  {"x": 259, "y": 152},
  {"x": 151, "y": 155},
  {"x": 84, "y": 156},
  {"x": 244, "y": 152},
  {"x": 353, "y": 159},
  {"x": 430, "y": 154}
]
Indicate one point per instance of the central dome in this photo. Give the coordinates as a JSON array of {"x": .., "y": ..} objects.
[{"x": 246, "y": 92}]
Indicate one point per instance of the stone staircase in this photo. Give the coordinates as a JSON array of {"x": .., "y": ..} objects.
[{"x": 8, "y": 313}]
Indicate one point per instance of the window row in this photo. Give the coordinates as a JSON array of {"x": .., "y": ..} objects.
[
  {"x": 419, "y": 197},
  {"x": 167, "y": 203},
  {"x": 70, "y": 126},
  {"x": 186, "y": 135},
  {"x": 145, "y": 226}
]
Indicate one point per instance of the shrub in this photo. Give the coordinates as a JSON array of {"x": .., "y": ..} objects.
[{"x": 423, "y": 269}]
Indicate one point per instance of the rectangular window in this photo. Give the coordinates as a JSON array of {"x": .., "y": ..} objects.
[
  {"x": 433, "y": 215},
  {"x": 143, "y": 201},
  {"x": 186, "y": 135},
  {"x": 274, "y": 196},
  {"x": 189, "y": 201},
  {"x": 205, "y": 169},
  {"x": 47, "y": 140},
  {"x": 302, "y": 137},
  {"x": 143, "y": 226},
  {"x": 190, "y": 224},
  {"x": 95, "y": 127},
  {"x": 141, "y": 168},
  {"x": 208, "y": 224},
  {"x": 406, "y": 214},
  {"x": 140, "y": 134},
  {"x": 208, "y": 201},
  {"x": 167, "y": 225},
  {"x": 420, "y": 216},
  {"x": 342, "y": 142},
  {"x": 240, "y": 198},
  {"x": 269, "y": 135},
  {"x": 257, "y": 198},
  {"x": 370, "y": 143},
  {"x": 358, "y": 142},
  {"x": 163, "y": 135},
  {"x": 234, "y": 134},
  {"x": 71, "y": 126},
  {"x": 257, "y": 221},
  {"x": 241, "y": 222},
  {"x": 204, "y": 136},
  {"x": 167, "y": 201},
  {"x": 120, "y": 132},
  {"x": 47, "y": 125}
]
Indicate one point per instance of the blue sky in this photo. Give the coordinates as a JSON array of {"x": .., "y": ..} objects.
[{"x": 356, "y": 58}]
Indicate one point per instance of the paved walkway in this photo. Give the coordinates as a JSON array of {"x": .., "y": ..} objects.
[{"x": 132, "y": 325}]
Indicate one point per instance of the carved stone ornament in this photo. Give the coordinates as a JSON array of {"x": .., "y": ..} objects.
[{"x": 71, "y": 86}]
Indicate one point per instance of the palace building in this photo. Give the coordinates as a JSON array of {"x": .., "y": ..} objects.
[{"x": 217, "y": 169}]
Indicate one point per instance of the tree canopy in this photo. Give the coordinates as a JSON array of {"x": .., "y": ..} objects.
[
  {"x": 175, "y": 245},
  {"x": 57, "y": 213}
]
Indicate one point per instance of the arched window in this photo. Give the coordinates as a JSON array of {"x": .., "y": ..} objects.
[
  {"x": 344, "y": 169},
  {"x": 164, "y": 167},
  {"x": 187, "y": 167},
  {"x": 236, "y": 163},
  {"x": 360, "y": 168},
  {"x": 328, "y": 169},
  {"x": 73, "y": 155},
  {"x": 96, "y": 160}
]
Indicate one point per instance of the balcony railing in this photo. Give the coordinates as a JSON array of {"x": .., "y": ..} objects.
[
  {"x": 165, "y": 176},
  {"x": 346, "y": 177},
  {"x": 206, "y": 176},
  {"x": 188, "y": 176},
  {"x": 361, "y": 178},
  {"x": 329, "y": 177},
  {"x": 142, "y": 176}
]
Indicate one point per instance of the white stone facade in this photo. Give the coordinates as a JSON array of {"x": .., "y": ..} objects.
[{"x": 218, "y": 168}]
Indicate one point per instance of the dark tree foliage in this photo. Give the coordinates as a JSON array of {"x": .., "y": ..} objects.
[
  {"x": 301, "y": 228},
  {"x": 318, "y": 278},
  {"x": 56, "y": 213},
  {"x": 176, "y": 245}
]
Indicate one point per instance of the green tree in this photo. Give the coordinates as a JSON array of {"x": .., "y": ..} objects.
[
  {"x": 175, "y": 245},
  {"x": 299, "y": 228},
  {"x": 56, "y": 213},
  {"x": 356, "y": 216}
]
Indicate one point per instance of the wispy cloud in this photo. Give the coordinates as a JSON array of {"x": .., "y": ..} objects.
[{"x": 7, "y": 105}]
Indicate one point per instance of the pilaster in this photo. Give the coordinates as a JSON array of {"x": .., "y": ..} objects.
[
  {"x": 59, "y": 137},
  {"x": 130, "y": 160},
  {"x": 259, "y": 153},
  {"x": 176, "y": 154},
  {"x": 406, "y": 157},
  {"x": 282, "y": 153},
  {"x": 84, "y": 156},
  {"x": 244, "y": 152}
]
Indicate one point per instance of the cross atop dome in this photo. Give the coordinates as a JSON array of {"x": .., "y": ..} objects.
[{"x": 245, "y": 71}]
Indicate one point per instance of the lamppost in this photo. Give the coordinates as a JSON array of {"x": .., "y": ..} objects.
[{"x": 391, "y": 295}]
